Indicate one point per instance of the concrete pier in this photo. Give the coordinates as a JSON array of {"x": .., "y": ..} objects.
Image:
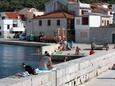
[{"x": 71, "y": 73}]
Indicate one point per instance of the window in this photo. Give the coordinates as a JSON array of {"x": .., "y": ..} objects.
[
  {"x": 83, "y": 34},
  {"x": 78, "y": 21},
  {"x": 82, "y": 12},
  {"x": 0, "y": 33},
  {"x": 40, "y": 22},
  {"x": 108, "y": 22},
  {"x": 8, "y": 26},
  {"x": 104, "y": 23},
  {"x": 3, "y": 17},
  {"x": 85, "y": 21},
  {"x": 58, "y": 22},
  {"x": 49, "y": 22},
  {"x": 15, "y": 25}
]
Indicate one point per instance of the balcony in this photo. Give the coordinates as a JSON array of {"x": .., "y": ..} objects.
[{"x": 17, "y": 29}]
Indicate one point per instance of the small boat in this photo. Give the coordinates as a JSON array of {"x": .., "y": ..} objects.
[{"x": 62, "y": 58}]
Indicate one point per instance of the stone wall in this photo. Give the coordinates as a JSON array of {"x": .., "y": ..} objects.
[
  {"x": 71, "y": 73},
  {"x": 102, "y": 35}
]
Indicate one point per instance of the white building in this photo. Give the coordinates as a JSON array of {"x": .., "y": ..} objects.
[
  {"x": 10, "y": 24},
  {"x": 84, "y": 23},
  {"x": 53, "y": 24}
]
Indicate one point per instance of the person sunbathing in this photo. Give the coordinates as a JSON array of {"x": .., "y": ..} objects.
[{"x": 28, "y": 68}]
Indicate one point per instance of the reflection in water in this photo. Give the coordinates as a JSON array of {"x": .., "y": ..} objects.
[{"x": 11, "y": 57}]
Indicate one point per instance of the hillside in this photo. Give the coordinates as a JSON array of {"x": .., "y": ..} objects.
[{"x": 11, "y": 5}]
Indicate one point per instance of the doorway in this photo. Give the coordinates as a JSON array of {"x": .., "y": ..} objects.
[
  {"x": 70, "y": 30},
  {"x": 113, "y": 38}
]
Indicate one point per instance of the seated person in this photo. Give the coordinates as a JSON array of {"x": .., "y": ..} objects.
[
  {"x": 113, "y": 67},
  {"x": 77, "y": 50},
  {"x": 45, "y": 62},
  {"x": 67, "y": 47},
  {"x": 106, "y": 45},
  {"x": 28, "y": 68},
  {"x": 93, "y": 45},
  {"x": 61, "y": 47}
]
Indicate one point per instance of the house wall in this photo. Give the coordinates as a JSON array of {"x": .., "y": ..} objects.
[
  {"x": 114, "y": 18},
  {"x": 113, "y": 9},
  {"x": 51, "y": 6},
  {"x": 76, "y": 8},
  {"x": 94, "y": 21},
  {"x": 107, "y": 20},
  {"x": 82, "y": 35},
  {"x": 20, "y": 26},
  {"x": 84, "y": 8},
  {"x": 102, "y": 35},
  {"x": 6, "y": 31},
  {"x": 34, "y": 28},
  {"x": 2, "y": 28},
  {"x": 82, "y": 31}
]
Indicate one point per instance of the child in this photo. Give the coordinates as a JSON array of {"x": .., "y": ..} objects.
[{"x": 77, "y": 50}]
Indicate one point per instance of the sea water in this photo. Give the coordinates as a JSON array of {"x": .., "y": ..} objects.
[{"x": 12, "y": 56}]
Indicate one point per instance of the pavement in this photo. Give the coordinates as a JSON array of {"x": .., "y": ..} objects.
[{"x": 105, "y": 79}]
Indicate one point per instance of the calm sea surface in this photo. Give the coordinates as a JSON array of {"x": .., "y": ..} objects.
[{"x": 12, "y": 56}]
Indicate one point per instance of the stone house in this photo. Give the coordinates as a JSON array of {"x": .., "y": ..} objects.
[{"x": 58, "y": 23}]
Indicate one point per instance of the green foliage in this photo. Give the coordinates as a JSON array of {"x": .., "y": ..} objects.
[{"x": 11, "y": 5}]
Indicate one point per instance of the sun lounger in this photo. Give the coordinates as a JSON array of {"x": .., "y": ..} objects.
[{"x": 99, "y": 47}]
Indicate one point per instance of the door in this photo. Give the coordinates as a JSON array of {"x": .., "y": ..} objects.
[
  {"x": 70, "y": 30},
  {"x": 113, "y": 38}
]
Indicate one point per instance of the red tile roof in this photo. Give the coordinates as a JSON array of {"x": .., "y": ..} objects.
[
  {"x": 12, "y": 15},
  {"x": 72, "y": 0},
  {"x": 57, "y": 14}
]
